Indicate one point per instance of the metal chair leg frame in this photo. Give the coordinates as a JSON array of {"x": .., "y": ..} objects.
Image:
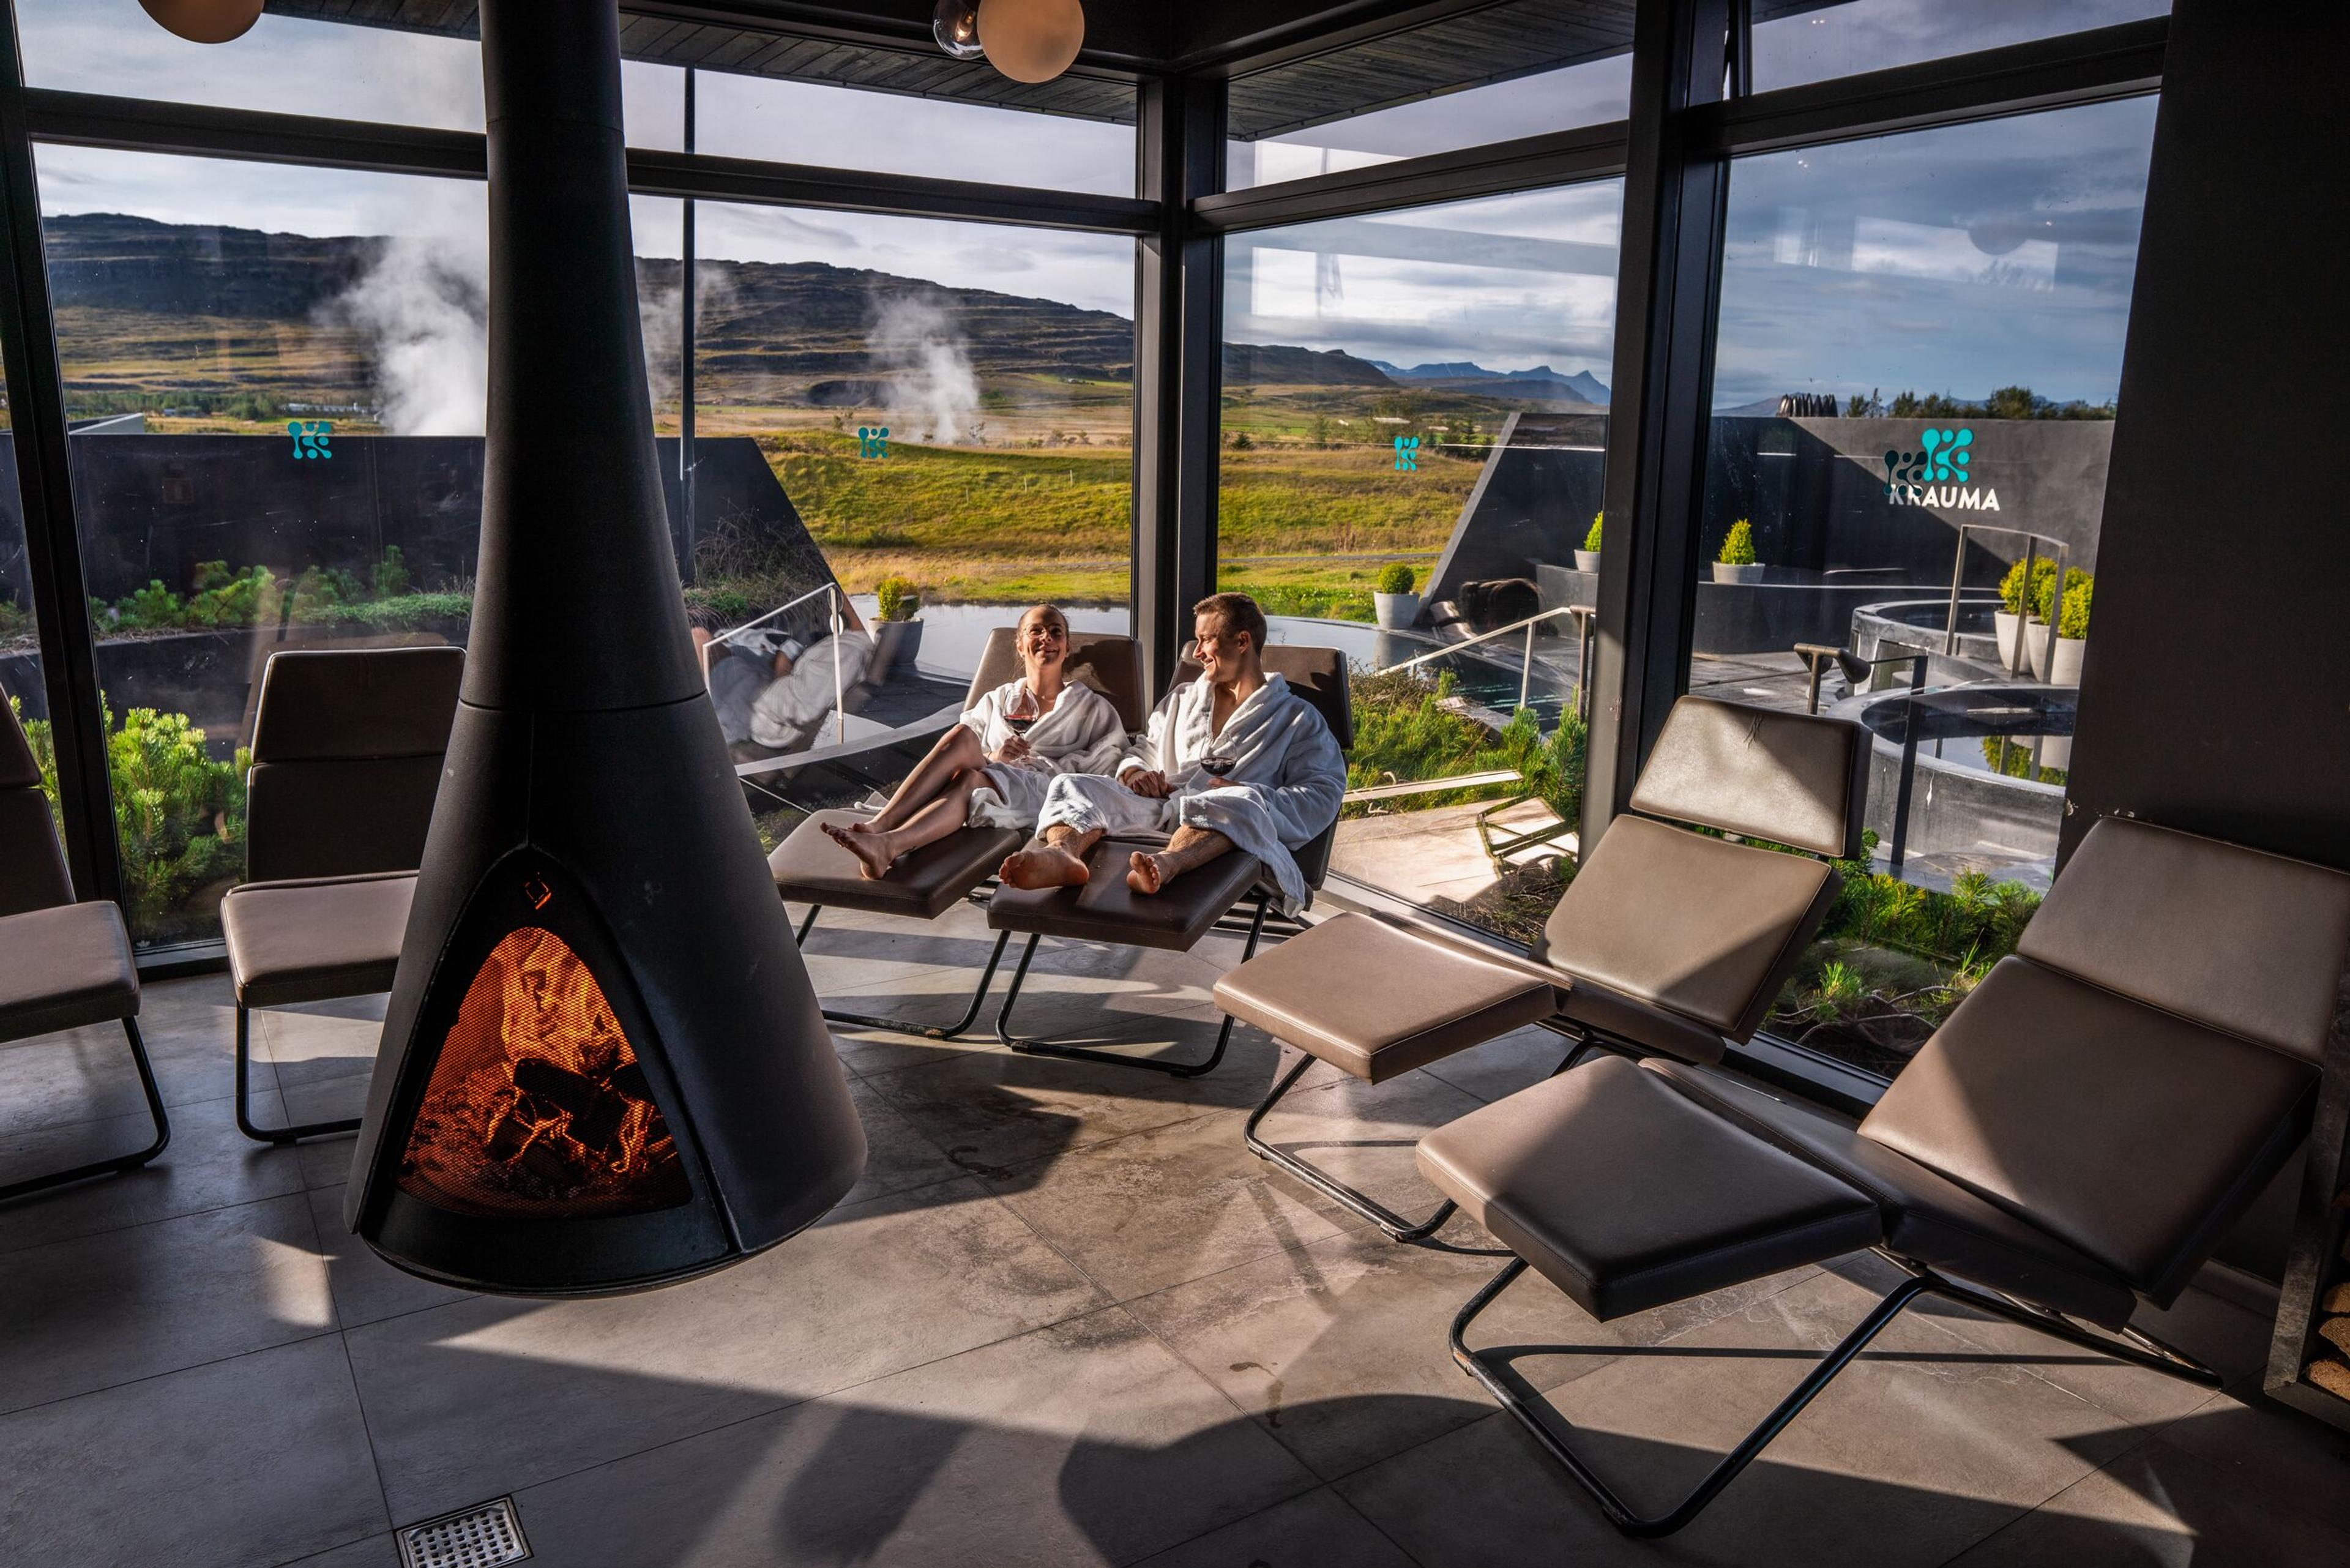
[
  {"x": 906, "y": 1025},
  {"x": 1111, "y": 1058},
  {"x": 245, "y": 1122},
  {"x": 1397, "y": 1227},
  {"x": 1921, "y": 1281},
  {"x": 121, "y": 1162}
]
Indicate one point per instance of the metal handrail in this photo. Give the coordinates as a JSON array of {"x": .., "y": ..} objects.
[
  {"x": 1526, "y": 662},
  {"x": 840, "y": 629},
  {"x": 2023, "y": 621}
]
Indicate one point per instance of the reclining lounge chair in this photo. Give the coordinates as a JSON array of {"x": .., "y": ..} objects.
[
  {"x": 62, "y": 964},
  {"x": 1174, "y": 919},
  {"x": 810, "y": 869},
  {"x": 2074, "y": 1139},
  {"x": 1667, "y": 941},
  {"x": 347, "y": 755}
]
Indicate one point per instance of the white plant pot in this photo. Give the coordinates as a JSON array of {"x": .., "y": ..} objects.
[
  {"x": 1725, "y": 572},
  {"x": 2022, "y": 647},
  {"x": 1396, "y": 611},
  {"x": 2066, "y": 669},
  {"x": 1586, "y": 560}
]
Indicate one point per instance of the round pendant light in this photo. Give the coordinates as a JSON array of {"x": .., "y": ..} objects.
[
  {"x": 1031, "y": 40},
  {"x": 205, "y": 21},
  {"x": 955, "y": 24}
]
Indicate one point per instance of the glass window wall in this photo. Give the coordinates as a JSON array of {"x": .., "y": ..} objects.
[
  {"x": 1919, "y": 348},
  {"x": 1807, "y": 41},
  {"x": 1491, "y": 75},
  {"x": 1414, "y": 439}
]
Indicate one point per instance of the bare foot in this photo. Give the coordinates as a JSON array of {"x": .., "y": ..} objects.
[
  {"x": 1145, "y": 874},
  {"x": 1043, "y": 865},
  {"x": 871, "y": 850}
]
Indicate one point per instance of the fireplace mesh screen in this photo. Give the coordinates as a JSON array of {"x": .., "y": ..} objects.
[{"x": 538, "y": 1107}]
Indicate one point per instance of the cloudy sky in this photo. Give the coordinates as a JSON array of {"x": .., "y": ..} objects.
[{"x": 1951, "y": 261}]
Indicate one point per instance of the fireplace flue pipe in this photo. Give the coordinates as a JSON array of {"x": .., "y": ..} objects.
[{"x": 588, "y": 791}]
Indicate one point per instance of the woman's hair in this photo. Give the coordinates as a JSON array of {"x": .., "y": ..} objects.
[{"x": 1051, "y": 609}]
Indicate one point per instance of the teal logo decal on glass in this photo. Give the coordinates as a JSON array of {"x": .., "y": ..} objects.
[
  {"x": 1938, "y": 473},
  {"x": 873, "y": 441},
  {"x": 1406, "y": 454},
  {"x": 310, "y": 437}
]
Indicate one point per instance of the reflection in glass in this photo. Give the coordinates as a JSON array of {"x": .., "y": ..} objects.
[
  {"x": 1812, "y": 42},
  {"x": 1920, "y": 350},
  {"x": 1489, "y": 75},
  {"x": 1416, "y": 408}
]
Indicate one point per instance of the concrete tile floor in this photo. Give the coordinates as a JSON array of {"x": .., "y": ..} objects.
[{"x": 1066, "y": 1319}]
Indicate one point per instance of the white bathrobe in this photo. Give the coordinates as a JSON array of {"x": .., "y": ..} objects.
[
  {"x": 1081, "y": 735},
  {"x": 1284, "y": 786},
  {"x": 787, "y": 712}
]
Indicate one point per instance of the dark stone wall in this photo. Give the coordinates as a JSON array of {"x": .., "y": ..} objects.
[{"x": 151, "y": 507}]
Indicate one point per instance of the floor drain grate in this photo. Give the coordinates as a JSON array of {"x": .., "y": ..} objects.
[{"x": 482, "y": 1536}]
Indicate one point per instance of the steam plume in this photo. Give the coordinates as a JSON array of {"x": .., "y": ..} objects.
[
  {"x": 923, "y": 357},
  {"x": 423, "y": 307}
]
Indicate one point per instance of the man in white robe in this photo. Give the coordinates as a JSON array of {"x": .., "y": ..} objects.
[{"x": 1231, "y": 760}]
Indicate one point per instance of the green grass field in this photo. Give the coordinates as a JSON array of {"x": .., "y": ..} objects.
[{"x": 1306, "y": 529}]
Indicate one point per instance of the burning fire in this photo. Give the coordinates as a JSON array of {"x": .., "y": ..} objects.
[{"x": 537, "y": 1104}]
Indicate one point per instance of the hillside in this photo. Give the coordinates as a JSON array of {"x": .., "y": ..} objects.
[{"x": 149, "y": 313}]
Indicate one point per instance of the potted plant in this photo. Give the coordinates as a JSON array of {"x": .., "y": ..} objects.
[
  {"x": 1735, "y": 562},
  {"x": 1396, "y": 606},
  {"x": 2008, "y": 620},
  {"x": 2063, "y": 667},
  {"x": 898, "y": 634},
  {"x": 1587, "y": 558}
]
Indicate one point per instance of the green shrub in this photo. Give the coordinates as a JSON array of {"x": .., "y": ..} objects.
[
  {"x": 177, "y": 815},
  {"x": 1403, "y": 731},
  {"x": 153, "y": 606},
  {"x": 1738, "y": 544},
  {"x": 1591, "y": 540},
  {"x": 390, "y": 578},
  {"x": 899, "y": 599},
  {"x": 2078, "y": 586},
  {"x": 2011, "y": 586},
  {"x": 15, "y": 620},
  {"x": 225, "y": 599},
  {"x": 1394, "y": 578}
]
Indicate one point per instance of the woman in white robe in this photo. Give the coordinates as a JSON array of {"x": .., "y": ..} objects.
[
  {"x": 1277, "y": 780},
  {"x": 984, "y": 770}
]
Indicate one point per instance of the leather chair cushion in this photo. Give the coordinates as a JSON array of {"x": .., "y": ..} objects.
[
  {"x": 64, "y": 967},
  {"x": 1108, "y": 661},
  {"x": 1374, "y": 1000},
  {"x": 32, "y": 868},
  {"x": 354, "y": 818},
  {"x": 1627, "y": 1195},
  {"x": 1612, "y": 1013},
  {"x": 329, "y": 704},
  {"x": 2132, "y": 1134},
  {"x": 312, "y": 941},
  {"x": 2244, "y": 941},
  {"x": 1106, "y": 910},
  {"x": 810, "y": 869},
  {"x": 1696, "y": 925},
  {"x": 1792, "y": 778},
  {"x": 1927, "y": 1217}
]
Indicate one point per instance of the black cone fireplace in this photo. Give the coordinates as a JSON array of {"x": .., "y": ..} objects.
[{"x": 603, "y": 1066}]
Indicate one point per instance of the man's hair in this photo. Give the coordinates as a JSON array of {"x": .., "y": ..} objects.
[{"x": 1239, "y": 613}]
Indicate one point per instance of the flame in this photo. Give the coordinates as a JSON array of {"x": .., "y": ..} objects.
[{"x": 537, "y": 1104}]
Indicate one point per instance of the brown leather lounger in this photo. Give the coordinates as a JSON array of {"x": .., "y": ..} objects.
[
  {"x": 809, "y": 868},
  {"x": 2078, "y": 1136},
  {"x": 1173, "y": 919},
  {"x": 1668, "y": 940}
]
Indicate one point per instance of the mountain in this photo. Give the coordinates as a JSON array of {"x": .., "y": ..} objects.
[
  {"x": 1465, "y": 376},
  {"x": 212, "y": 308}
]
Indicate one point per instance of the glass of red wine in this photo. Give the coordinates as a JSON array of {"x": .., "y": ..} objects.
[{"x": 1023, "y": 710}]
